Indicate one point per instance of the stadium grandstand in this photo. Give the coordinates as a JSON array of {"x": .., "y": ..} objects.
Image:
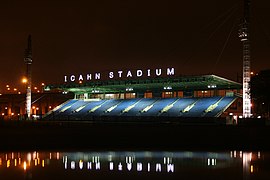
[{"x": 206, "y": 96}]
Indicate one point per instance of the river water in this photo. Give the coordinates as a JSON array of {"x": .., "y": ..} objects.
[{"x": 135, "y": 165}]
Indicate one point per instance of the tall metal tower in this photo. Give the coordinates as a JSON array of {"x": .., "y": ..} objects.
[
  {"x": 245, "y": 38},
  {"x": 28, "y": 62}
]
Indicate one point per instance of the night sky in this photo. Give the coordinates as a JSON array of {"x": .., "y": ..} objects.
[{"x": 82, "y": 36}]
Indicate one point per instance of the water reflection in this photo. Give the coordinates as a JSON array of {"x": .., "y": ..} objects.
[{"x": 145, "y": 164}]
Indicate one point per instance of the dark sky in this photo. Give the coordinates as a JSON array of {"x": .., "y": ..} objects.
[{"x": 82, "y": 36}]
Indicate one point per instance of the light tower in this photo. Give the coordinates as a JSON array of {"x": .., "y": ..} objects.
[
  {"x": 28, "y": 62},
  {"x": 245, "y": 38}
]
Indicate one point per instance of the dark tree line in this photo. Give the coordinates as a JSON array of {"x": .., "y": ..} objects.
[{"x": 260, "y": 92}]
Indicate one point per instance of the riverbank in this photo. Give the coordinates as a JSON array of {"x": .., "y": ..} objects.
[{"x": 68, "y": 135}]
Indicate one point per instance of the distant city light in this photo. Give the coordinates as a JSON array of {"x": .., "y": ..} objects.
[{"x": 24, "y": 80}]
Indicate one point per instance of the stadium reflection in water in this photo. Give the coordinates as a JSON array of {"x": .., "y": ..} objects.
[{"x": 134, "y": 165}]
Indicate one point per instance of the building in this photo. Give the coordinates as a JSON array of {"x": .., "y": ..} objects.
[{"x": 183, "y": 96}]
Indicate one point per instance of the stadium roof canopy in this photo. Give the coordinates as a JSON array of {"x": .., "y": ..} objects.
[{"x": 182, "y": 83}]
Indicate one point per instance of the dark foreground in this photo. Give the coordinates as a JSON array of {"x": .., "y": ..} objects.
[{"x": 42, "y": 135}]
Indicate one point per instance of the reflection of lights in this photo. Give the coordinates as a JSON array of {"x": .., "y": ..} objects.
[
  {"x": 8, "y": 163},
  {"x": 81, "y": 164},
  {"x": 72, "y": 165},
  {"x": 29, "y": 157},
  {"x": 120, "y": 167},
  {"x": 251, "y": 169},
  {"x": 24, "y": 165},
  {"x": 43, "y": 163}
]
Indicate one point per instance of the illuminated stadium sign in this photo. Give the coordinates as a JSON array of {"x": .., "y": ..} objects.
[{"x": 120, "y": 74}]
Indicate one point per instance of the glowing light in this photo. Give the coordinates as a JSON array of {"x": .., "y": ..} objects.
[
  {"x": 170, "y": 168},
  {"x": 24, "y": 80},
  {"x": 7, "y": 86},
  {"x": 81, "y": 164},
  {"x": 42, "y": 84},
  {"x": 139, "y": 167},
  {"x": 251, "y": 169},
  {"x": 72, "y": 165},
  {"x": 15, "y": 89},
  {"x": 251, "y": 73},
  {"x": 12, "y": 114},
  {"x": 24, "y": 165},
  {"x": 50, "y": 107},
  {"x": 3, "y": 114},
  {"x": 111, "y": 166},
  {"x": 43, "y": 163},
  {"x": 120, "y": 167},
  {"x": 8, "y": 163}
]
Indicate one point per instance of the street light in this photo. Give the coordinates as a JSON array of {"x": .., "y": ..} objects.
[{"x": 24, "y": 80}]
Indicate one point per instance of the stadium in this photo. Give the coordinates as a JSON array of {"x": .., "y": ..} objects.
[{"x": 144, "y": 98}]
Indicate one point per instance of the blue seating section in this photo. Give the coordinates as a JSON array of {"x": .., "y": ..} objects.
[
  {"x": 179, "y": 105},
  {"x": 222, "y": 105},
  {"x": 173, "y": 107}
]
